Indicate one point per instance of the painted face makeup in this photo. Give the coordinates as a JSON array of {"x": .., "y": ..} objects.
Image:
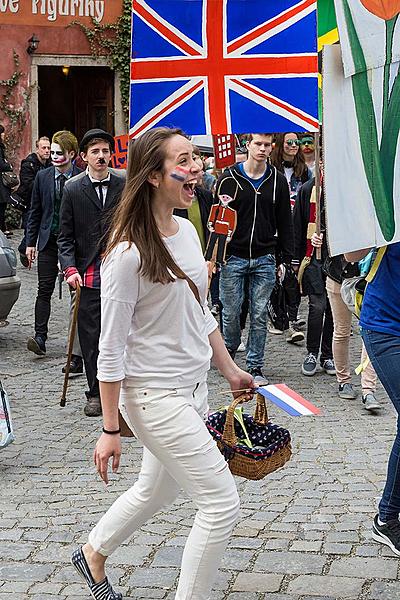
[
  {"x": 58, "y": 156},
  {"x": 308, "y": 145},
  {"x": 183, "y": 175},
  {"x": 179, "y": 173}
]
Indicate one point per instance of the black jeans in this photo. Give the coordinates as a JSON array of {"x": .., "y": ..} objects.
[
  {"x": 24, "y": 222},
  {"x": 292, "y": 294},
  {"x": 89, "y": 320},
  {"x": 3, "y": 207},
  {"x": 47, "y": 277},
  {"x": 318, "y": 326}
]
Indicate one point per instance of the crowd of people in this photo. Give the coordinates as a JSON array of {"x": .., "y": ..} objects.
[{"x": 134, "y": 244}]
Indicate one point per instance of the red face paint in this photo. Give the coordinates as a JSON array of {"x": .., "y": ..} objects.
[{"x": 180, "y": 173}]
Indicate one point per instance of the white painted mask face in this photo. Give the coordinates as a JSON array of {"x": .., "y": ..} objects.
[{"x": 58, "y": 157}]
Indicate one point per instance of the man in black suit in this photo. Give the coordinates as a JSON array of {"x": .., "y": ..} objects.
[
  {"x": 43, "y": 227},
  {"x": 30, "y": 166},
  {"x": 88, "y": 205}
]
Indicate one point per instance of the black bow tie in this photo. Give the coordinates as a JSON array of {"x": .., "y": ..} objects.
[{"x": 104, "y": 183}]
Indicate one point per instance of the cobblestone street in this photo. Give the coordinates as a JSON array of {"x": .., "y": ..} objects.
[{"x": 304, "y": 533}]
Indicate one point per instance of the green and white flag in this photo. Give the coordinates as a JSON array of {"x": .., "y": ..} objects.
[
  {"x": 362, "y": 126},
  {"x": 361, "y": 154}
]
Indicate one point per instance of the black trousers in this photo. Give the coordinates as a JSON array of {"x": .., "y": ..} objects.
[
  {"x": 292, "y": 294},
  {"x": 47, "y": 277},
  {"x": 89, "y": 321},
  {"x": 24, "y": 222},
  {"x": 3, "y": 207},
  {"x": 320, "y": 325}
]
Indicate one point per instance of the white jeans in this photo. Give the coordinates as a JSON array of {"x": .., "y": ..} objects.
[{"x": 178, "y": 453}]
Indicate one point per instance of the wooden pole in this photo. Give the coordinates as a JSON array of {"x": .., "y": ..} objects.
[
  {"x": 317, "y": 192},
  {"x": 71, "y": 343}
]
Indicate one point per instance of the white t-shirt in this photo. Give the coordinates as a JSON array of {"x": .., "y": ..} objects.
[
  {"x": 153, "y": 334},
  {"x": 288, "y": 173}
]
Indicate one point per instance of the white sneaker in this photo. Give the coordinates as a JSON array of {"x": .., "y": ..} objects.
[
  {"x": 293, "y": 335},
  {"x": 274, "y": 330},
  {"x": 242, "y": 347},
  {"x": 300, "y": 324}
]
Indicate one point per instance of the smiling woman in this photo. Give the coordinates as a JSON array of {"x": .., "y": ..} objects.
[{"x": 157, "y": 339}]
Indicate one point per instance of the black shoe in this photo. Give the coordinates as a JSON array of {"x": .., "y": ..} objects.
[
  {"x": 93, "y": 407},
  {"x": 328, "y": 365},
  {"x": 388, "y": 534},
  {"x": 23, "y": 260},
  {"x": 37, "y": 345},
  {"x": 258, "y": 376},
  {"x": 102, "y": 590},
  {"x": 76, "y": 365}
]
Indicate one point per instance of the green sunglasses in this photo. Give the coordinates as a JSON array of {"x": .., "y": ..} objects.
[{"x": 293, "y": 142}]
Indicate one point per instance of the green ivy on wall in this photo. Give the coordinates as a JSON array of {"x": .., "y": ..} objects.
[
  {"x": 14, "y": 108},
  {"x": 114, "y": 41}
]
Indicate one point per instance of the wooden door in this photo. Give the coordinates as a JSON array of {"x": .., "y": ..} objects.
[{"x": 94, "y": 99}]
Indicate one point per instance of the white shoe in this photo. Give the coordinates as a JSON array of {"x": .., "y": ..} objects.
[
  {"x": 274, "y": 330},
  {"x": 293, "y": 336},
  {"x": 300, "y": 324},
  {"x": 242, "y": 347}
]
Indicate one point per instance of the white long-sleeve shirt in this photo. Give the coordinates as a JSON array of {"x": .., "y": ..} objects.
[{"x": 153, "y": 334}]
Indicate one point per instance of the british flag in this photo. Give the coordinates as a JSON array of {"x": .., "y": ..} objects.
[{"x": 224, "y": 66}]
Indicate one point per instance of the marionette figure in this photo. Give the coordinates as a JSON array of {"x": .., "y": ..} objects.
[{"x": 222, "y": 225}]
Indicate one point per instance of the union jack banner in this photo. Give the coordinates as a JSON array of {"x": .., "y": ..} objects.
[{"x": 224, "y": 66}]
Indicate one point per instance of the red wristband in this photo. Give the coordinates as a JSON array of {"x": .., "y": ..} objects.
[{"x": 70, "y": 271}]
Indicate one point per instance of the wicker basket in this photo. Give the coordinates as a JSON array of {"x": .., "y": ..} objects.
[{"x": 250, "y": 463}]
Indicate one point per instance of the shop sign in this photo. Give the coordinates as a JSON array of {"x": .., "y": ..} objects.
[{"x": 58, "y": 12}]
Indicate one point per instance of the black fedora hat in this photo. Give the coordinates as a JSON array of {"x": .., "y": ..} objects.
[{"x": 94, "y": 134}]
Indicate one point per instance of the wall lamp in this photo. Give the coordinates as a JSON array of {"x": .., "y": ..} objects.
[{"x": 33, "y": 44}]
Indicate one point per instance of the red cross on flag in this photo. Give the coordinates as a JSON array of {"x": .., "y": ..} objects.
[{"x": 224, "y": 66}]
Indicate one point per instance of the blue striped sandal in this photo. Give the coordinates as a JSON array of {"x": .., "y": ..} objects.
[{"x": 102, "y": 590}]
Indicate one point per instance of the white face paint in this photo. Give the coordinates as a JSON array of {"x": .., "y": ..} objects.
[{"x": 58, "y": 157}]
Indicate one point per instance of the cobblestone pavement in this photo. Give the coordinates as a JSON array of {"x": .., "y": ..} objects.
[{"x": 304, "y": 531}]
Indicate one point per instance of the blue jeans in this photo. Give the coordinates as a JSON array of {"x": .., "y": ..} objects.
[
  {"x": 384, "y": 353},
  {"x": 261, "y": 275}
]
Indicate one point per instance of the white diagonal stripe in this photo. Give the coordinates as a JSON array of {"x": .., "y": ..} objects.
[
  {"x": 288, "y": 400},
  {"x": 151, "y": 115},
  {"x": 272, "y": 32},
  {"x": 270, "y": 105},
  {"x": 174, "y": 30}
]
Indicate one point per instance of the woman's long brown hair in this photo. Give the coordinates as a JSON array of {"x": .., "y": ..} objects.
[
  {"x": 300, "y": 168},
  {"x": 133, "y": 220}
]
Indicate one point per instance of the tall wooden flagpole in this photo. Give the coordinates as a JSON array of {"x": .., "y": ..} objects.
[{"x": 317, "y": 192}]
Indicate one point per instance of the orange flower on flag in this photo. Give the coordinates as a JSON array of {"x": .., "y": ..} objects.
[{"x": 384, "y": 9}]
